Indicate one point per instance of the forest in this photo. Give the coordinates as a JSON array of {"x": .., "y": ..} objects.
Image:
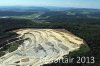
[{"x": 88, "y": 29}]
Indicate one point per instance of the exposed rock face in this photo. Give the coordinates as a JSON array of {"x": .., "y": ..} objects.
[{"x": 40, "y": 44}]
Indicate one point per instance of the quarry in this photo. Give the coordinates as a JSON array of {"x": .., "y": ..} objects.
[{"x": 40, "y": 44}]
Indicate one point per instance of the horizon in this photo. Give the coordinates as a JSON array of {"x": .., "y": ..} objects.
[
  {"x": 57, "y": 3},
  {"x": 49, "y": 6}
]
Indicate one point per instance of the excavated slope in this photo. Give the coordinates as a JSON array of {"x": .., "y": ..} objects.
[{"x": 40, "y": 44}]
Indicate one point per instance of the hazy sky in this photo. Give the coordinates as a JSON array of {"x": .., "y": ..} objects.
[{"x": 63, "y": 3}]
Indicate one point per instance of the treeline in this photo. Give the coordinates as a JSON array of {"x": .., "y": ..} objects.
[{"x": 14, "y": 13}]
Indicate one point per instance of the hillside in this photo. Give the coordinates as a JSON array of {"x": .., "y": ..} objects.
[
  {"x": 40, "y": 46},
  {"x": 84, "y": 23}
]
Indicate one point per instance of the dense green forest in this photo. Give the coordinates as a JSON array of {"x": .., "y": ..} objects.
[{"x": 86, "y": 28}]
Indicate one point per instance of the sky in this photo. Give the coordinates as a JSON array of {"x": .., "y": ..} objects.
[{"x": 59, "y": 3}]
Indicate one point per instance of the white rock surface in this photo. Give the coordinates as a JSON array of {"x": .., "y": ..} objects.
[{"x": 41, "y": 46}]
